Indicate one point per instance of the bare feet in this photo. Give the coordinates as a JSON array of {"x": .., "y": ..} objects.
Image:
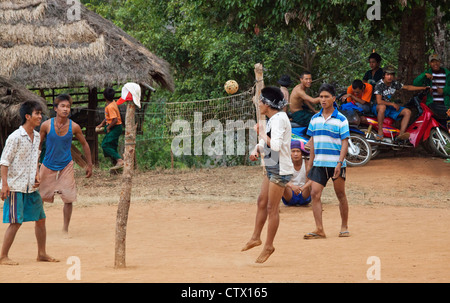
[
  {"x": 46, "y": 258},
  {"x": 118, "y": 165},
  {"x": 265, "y": 254},
  {"x": 250, "y": 244},
  {"x": 7, "y": 261},
  {"x": 65, "y": 234}
]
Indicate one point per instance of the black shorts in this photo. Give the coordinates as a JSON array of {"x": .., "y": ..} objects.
[{"x": 321, "y": 175}]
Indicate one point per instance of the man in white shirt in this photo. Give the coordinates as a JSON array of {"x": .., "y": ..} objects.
[
  {"x": 19, "y": 182},
  {"x": 275, "y": 143},
  {"x": 298, "y": 191}
]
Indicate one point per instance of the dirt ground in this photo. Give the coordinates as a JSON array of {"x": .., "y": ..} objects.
[{"x": 189, "y": 226}]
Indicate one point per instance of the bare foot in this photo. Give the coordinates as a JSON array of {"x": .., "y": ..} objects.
[
  {"x": 250, "y": 244},
  {"x": 46, "y": 258},
  {"x": 7, "y": 261},
  {"x": 265, "y": 254},
  {"x": 65, "y": 234}
]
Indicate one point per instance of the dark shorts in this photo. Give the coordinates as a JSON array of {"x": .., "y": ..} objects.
[
  {"x": 439, "y": 110},
  {"x": 302, "y": 117},
  {"x": 321, "y": 175}
]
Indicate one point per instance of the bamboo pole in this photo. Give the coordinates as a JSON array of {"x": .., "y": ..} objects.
[
  {"x": 260, "y": 119},
  {"x": 125, "y": 195}
]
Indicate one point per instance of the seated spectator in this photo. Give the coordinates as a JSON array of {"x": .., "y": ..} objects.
[
  {"x": 359, "y": 94},
  {"x": 438, "y": 78},
  {"x": 298, "y": 191},
  {"x": 386, "y": 106},
  {"x": 375, "y": 73}
]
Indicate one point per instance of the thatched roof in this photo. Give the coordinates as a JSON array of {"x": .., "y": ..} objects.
[
  {"x": 11, "y": 96},
  {"x": 41, "y": 47}
]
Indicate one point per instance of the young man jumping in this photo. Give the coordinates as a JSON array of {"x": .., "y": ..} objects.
[{"x": 275, "y": 143}]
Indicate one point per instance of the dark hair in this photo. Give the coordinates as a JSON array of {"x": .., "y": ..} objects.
[
  {"x": 357, "y": 84},
  {"x": 62, "y": 97},
  {"x": 109, "y": 94},
  {"x": 304, "y": 73},
  {"x": 273, "y": 94},
  {"x": 27, "y": 108},
  {"x": 328, "y": 88},
  {"x": 375, "y": 56}
]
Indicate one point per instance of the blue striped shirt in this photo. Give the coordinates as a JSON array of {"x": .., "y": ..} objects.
[{"x": 328, "y": 135}]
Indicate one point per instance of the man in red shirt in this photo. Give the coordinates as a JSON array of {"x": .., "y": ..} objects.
[
  {"x": 113, "y": 128},
  {"x": 360, "y": 95}
]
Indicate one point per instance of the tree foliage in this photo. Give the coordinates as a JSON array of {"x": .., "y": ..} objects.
[{"x": 208, "y": 42}]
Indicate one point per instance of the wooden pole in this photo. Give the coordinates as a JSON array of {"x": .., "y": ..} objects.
[
  {"x": 125, "y": 195},
  {"x": 260, "y": 119},
  {"x": 259, "y": 76},
  {"x": 91, "y": 135}
]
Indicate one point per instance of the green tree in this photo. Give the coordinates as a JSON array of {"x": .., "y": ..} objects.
[{"x": 208, "y": 42}]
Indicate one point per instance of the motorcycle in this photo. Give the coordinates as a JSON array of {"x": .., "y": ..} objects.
[
  {"x": 359, "y": 150},
  {"x": 424, "y": 129},
  {"x": 439, "y": 139}
]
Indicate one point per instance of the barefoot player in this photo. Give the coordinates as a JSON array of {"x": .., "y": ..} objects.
[
  {"x": 19, "y": 183},
  {"x": 56, "y": 172},
  {"x": 276, "y": 145}
]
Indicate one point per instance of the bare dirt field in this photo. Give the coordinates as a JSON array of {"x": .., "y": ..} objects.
[{"x": 189, "y": 226}]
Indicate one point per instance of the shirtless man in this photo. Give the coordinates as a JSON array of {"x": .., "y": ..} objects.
[{"x": 301, "y": 104}]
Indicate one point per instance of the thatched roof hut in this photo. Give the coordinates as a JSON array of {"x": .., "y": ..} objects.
[
  {"x": 41, "y": 46},
  {"x": 50, "y": 44},
  {"x": 11, "y": 96}
]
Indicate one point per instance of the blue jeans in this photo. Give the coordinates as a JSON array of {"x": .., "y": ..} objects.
[{"x": 281, "y": 180}]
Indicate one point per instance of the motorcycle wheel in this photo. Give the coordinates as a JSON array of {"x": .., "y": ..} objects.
[
  {"x": 375, "y": 148},
  {"x": 440, "y": 145},
  {"x": 359, "y": 150}
]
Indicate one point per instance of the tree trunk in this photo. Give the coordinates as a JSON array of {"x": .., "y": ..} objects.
[
  {"x": 125, "y": 195},
  {"x": 439, "y": 34},
  {"x": 412, "y": 53}
]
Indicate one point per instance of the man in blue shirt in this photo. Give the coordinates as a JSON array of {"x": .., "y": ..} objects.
[
  {"x": 329, "y": 133},
  {"x": 56, "y": 171}
]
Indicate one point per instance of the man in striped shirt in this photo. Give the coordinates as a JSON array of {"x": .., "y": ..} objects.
[
  {"x": 329, "y": 133},
  {"x": 438, "y": 100}
]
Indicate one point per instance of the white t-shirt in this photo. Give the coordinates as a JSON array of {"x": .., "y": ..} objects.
[
  {"x": 277, "y": 157},
  {"x": 299, "y": 177}
]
